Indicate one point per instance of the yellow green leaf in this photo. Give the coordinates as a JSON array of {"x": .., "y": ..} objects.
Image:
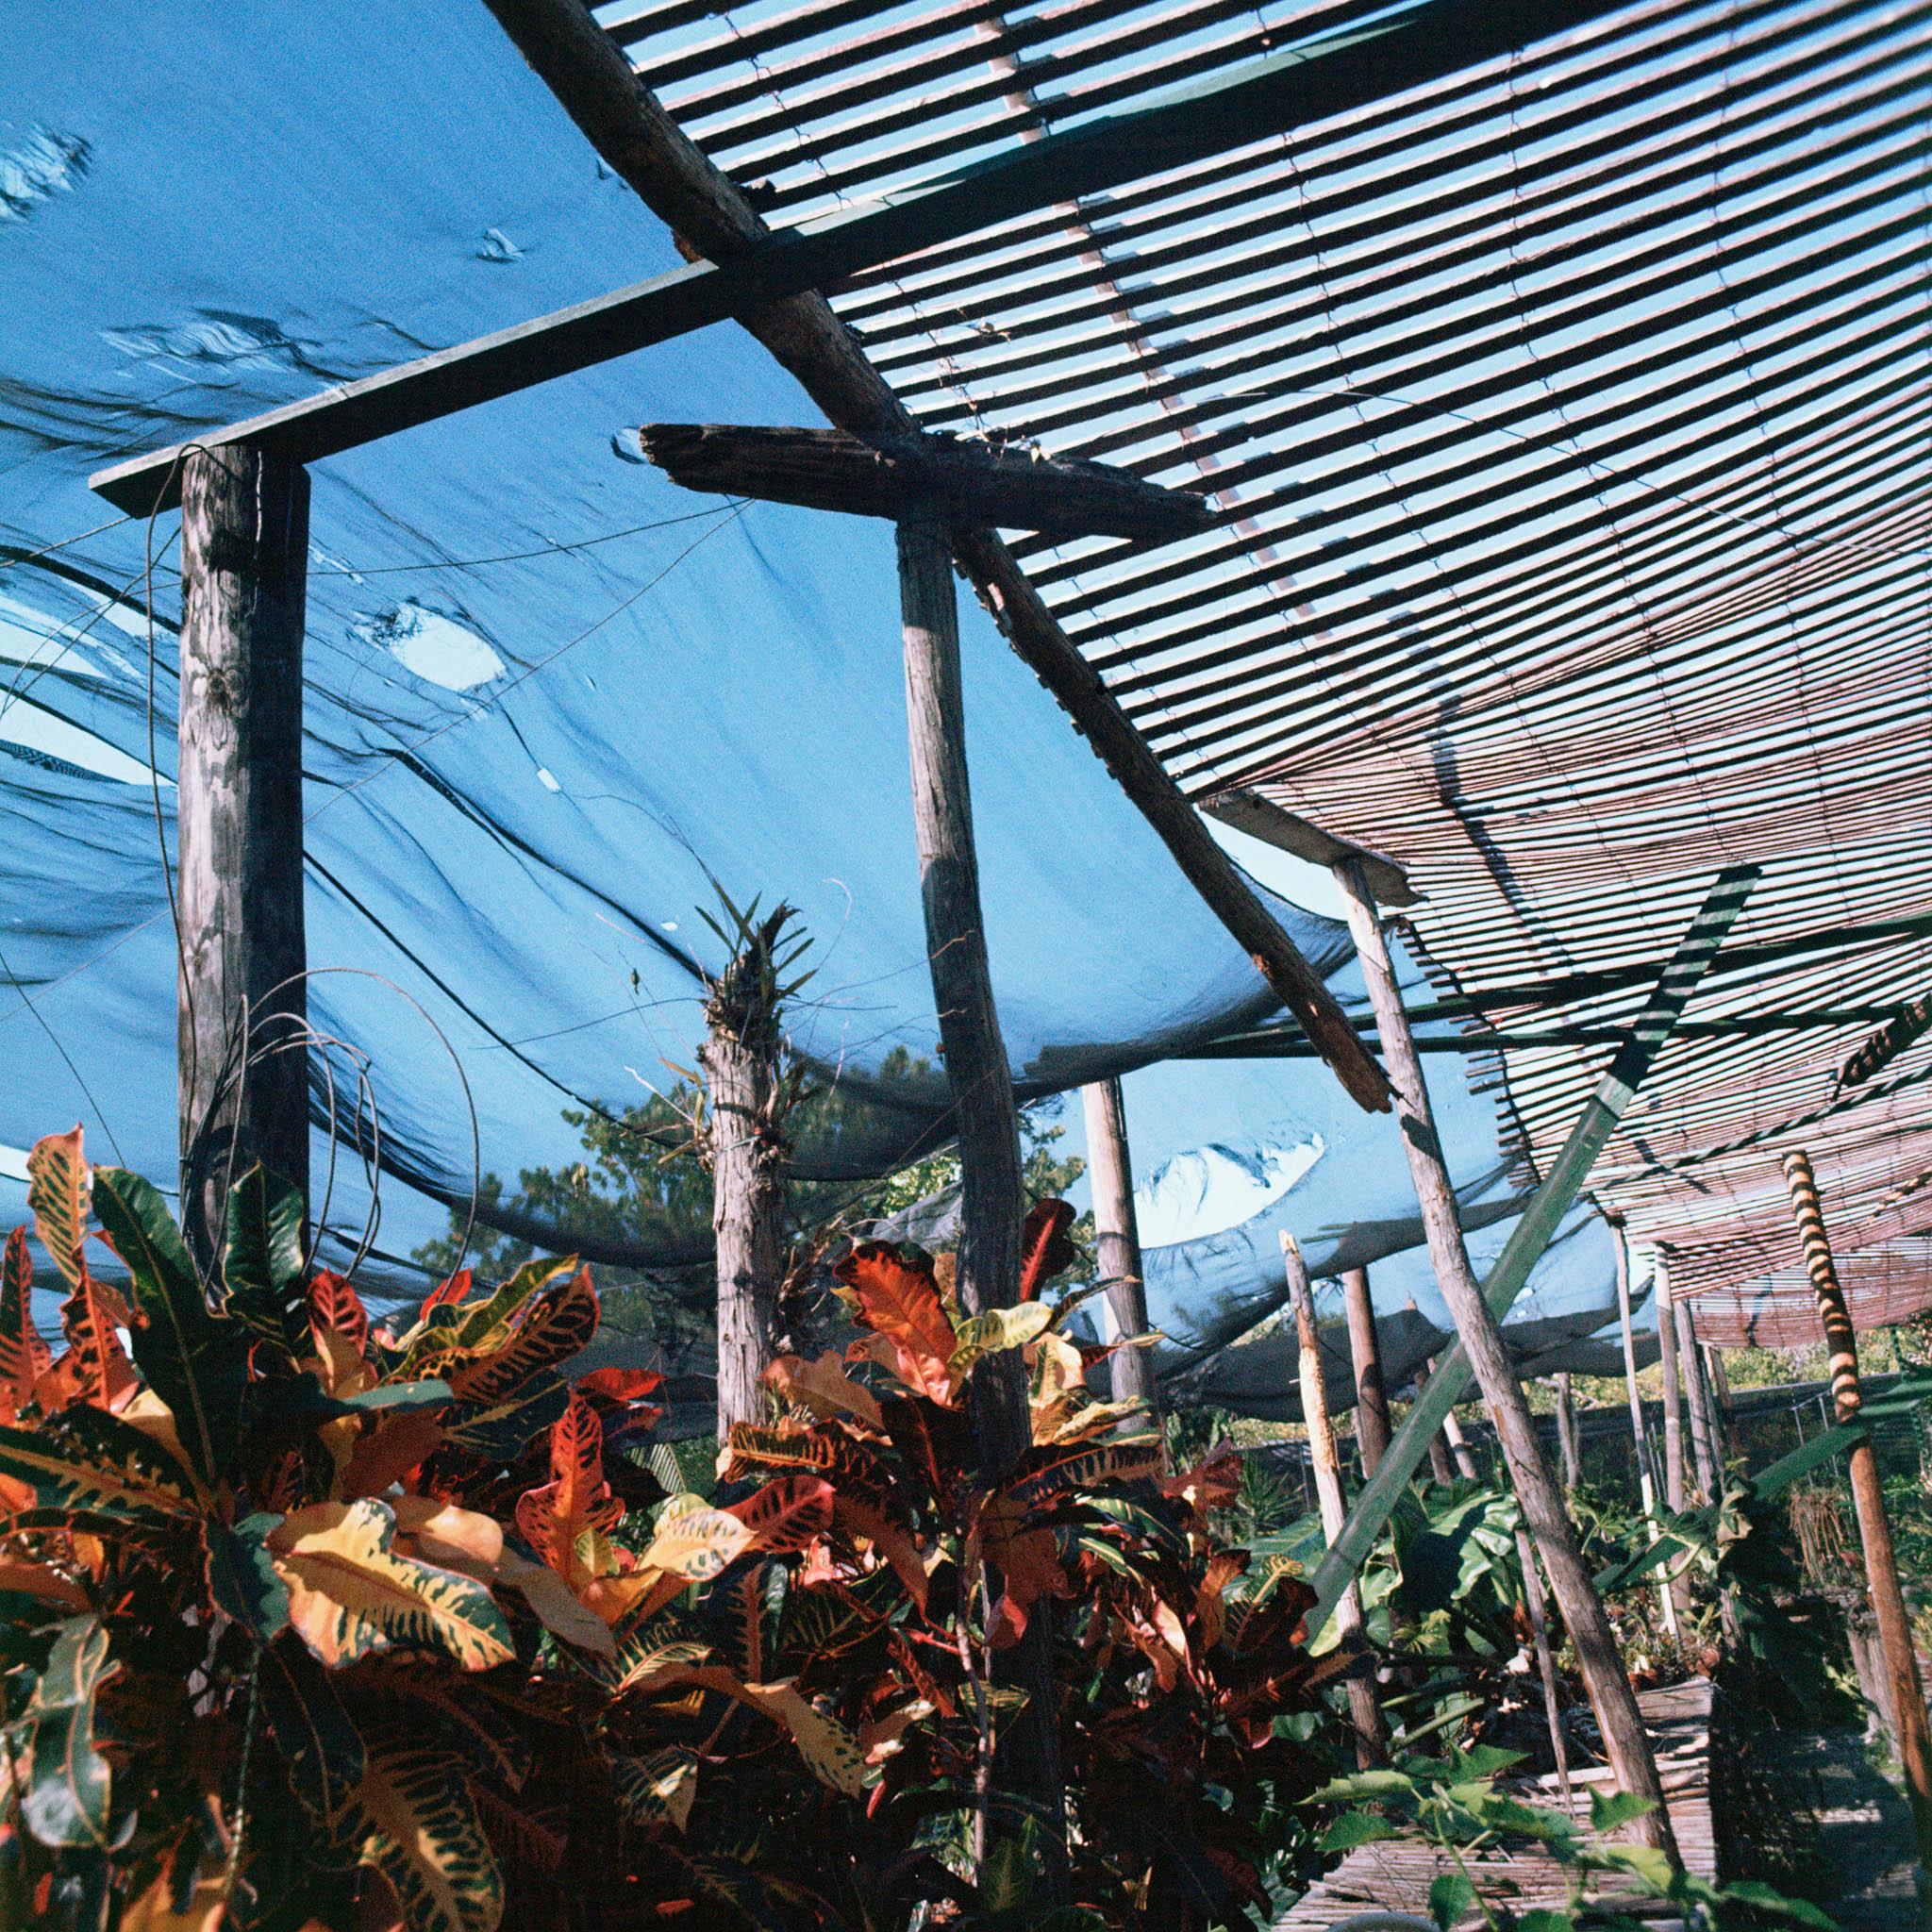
[
  {"x": 996, "y": 1329},
  {"x": 421, "y": 1831}
]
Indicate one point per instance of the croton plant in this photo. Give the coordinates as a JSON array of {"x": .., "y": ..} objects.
[{"x": 308, "y": 1622}]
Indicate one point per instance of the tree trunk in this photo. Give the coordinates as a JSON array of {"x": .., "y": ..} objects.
[
  {"x": 1370, "y": 1727},
  {"x": 1371, "y": 1429},
  {"x": 1611, "y": 1697},
  {"x": 745, "y": 1149},
  {"x": 1026, "y": 1764},
  {"x": 1867, "y": 1493},
  {"x": 1110, "y": 1171},
  {"x": 1567, "y": 1437},
  {"x": 243, "y": 1001}
]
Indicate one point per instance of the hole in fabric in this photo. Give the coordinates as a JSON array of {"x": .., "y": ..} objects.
[{"x": 434, "y": 645}]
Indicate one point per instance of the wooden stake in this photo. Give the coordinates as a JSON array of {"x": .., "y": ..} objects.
[
  {"x": 1721, "y": 1395},
  {"x": 1626, "y": 1742},
  {"x": 1372, "y": 1430},
  {"x": 1868, "y": 1494},
  {"x": 1696, "y": 1402},
  {"x": 1460, "y": 1449},
  {"x": 1109, "y": 1169},
  {"x": 1533, "y": 1602},
  {"x": 1370, "y": 1726},
  {"x": 1027, "y": 1765},
  {"x": 1673, "y": 1419},
  {"x": 243, "y": 1007},
  {"x": 1439, "y": 1446},
  {"x": 1646, "y": 1477},
  {"x": 1567, "y": 1439}
]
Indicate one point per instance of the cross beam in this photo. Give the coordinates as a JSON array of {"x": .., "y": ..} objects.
[{"x": 1328, "y": 74}]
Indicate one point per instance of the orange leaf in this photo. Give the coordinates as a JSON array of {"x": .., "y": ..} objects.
[
  {"x": 787, "y": 1513},
  {"x": 336, "y": 1308},
  {"x": 560, "y": 1322},
  {"x": 1044, "y": 1249},
  {"x": 577, "y": 1500},
  {"x": 448, "y": 1293},
  {"x": 899, "y": 1300},
  {"x": 23, "y": 1356},
  {"x": 824, "y": 1388}
]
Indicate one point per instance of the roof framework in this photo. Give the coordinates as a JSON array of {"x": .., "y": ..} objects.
[{"x": 1568, "y": 418}]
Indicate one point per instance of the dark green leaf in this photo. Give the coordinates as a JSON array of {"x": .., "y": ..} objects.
[
  {"x": 1770, "y": 1903},
  {"x": 68, "y": 1783},
  {"x": 1355, "y": 1828},
  {"x": 194, "y": 1360},
  {"x": 1450, "y": 1896},
  {"x": 242, "y": 1574},
  {"x": 263, "y": 1266},
  {"x": 501, "y": 1431},
  {"x": 1609, "y": 1810},
  {"x": 310, "y": 1728}
]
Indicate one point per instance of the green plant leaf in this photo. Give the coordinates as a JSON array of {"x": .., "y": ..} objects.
[
  {"x": 1609, "y": 1811},
  {"x": 996, "y": 1330},
  {"x": 194, "y": 1360},
  {"x": 1547, "y": 1919},
  {"x": 314, "y": 1734},
  {"x": 263, "y": 1265},
  {"x": 1770, "y": 1902},
  {"x": 1450, "y": 1896},
  {"x": 67, "y": 1782},
  {"x": 242, "y": 1574},
  {"x": 1645, "y": 1863},
  {"x": 1364, "y": 1784},
  {"x": 1355, "y": 1828},
  {"x": 84, "y": 1460},
  {"x": 656, "y": 1789},
  {"x": 421, "y": 1831}
]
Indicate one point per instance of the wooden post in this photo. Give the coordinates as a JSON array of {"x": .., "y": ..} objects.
[
  {"x": 1370, "y": 1727},
  {"x": 1646, "y": 1479},
  {"x": 1460, "y": 1449},
  {"x": 1027, "y": 1765},
  {"x": 1439, "y": 1446},
  {"x": 1697, "y": 1401},
  {"x": 1867, "y": 1493},
  {"x": 1533, "y": 1602},
  {"x": 1721, "y": 1401},
  {"x": 1372, "y": 1430},
  {"x": 1675, "y": 1498},
  {"x": 1109, "y": 1169},
  {"x": 744, "y": 1148},
  {"x": 1567, "y": 1438},
  {"x": 1626, "y": 1744},
  {"x": 243, "y": 1007}
]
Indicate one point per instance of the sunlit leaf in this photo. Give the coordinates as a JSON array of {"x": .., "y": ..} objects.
[
  {"x": 23, "y": 1356},
  {"x": 422, "y": 1833},
  {"x": 824, "y": 1388},
  {"x": 1450, "y": 1896},
  {"x": 1355, "y": 1828},
  {"x": 85, "y": 1459},
  {"x": 577, "y": 1502},
  {"x": 558, "y": 1325},
  {"x": 350, "y": 1595},
  {"x": 996, "y": 1330},
  {"x": 787, "y": 1512},
  {"x": 899, "y": 1300},
  {"x": 96, "y": 1368}
]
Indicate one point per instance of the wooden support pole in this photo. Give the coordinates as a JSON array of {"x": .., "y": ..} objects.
[
  {"x": 1868, "y": 1494},
  {"x": 1460, "y": 1449},
  {"x": 1721, "y": 1395},
  {"x": 1537, "y": 1607},
  {"x": 744, "y": 1148},
  {"x": 1567, "y": 1438},
  {"x": 1370, "y": 1726},
  {"x": 243, "y": 1007},
  {"x": 1696, "y": 1402},
  {"x": 1626, "y": 1742},
  {"x": 1639, "y": 1435},
  {"x": 1110, "y": 1171},
  {"x": 1026, "y": 1764},
  {"x": 1372, "y": 1430},
  {"x": 1439, "y": 1443},
  {"x": 1675, "y": 1498}
]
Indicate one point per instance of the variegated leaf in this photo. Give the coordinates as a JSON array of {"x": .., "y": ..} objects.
[
  {"x": 309, "y": 1727},
  {"x": 56, "y": 1192},
  {"x": 996, "y": 1330},
  {"x": 65, "y": 1802},
  {"x": 656, "y": 1788},
  {"x": 787, "y": 1513},
  {"x": 84, "y": 1460},
  {"x": 899, "y": 1300},
  {"x": 560, "y": 1323},
  {"x": 576, "y": 1503},
  {"x": 422, "y": 1832},
  {"x": 263, "y": 1263},
  {"x": 350, "y": 1595},
  {"x": 23, "y": 1356}
]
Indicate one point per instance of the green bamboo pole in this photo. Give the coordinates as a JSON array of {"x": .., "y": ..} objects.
[{"x": 1548, "y": 1206}]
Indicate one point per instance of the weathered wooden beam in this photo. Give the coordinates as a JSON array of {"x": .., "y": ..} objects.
[
  {"x": 1913, "y": 1735},
  {"x": 1372, "y": 1430},
  {"x": 1639, "y": 1433},
  {"x": 1707, "y": 1459},
  {"x": 1675, "y": 1498},
  {"x": 1440, "y": 1465},
  {"x": 1567, "y": 1439},
  {"x": 589, "y": 74},
  {"x": 938, "y": 478},
  {"x": 1599, "y": 1661},
  {"x": 628, "y": 127},
  {"x": 1117, "y": 1236},
  {"x": 1026, "y": 1764},
  {"x": 243, "y": 999},
  {"x": 1365, "y": 1709},
  {"x": 1259, "y": 817}
]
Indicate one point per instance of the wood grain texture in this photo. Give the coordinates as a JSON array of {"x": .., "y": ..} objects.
[
  {"x": 623, "y": 121},
  {"x": 1372, "y": 1427},
  {"x": 242, "y": 1005},
  {"x": 927, "y": 477},
  {"x": 1599, "y": 1661},
  {"x": 1111, "y": 1176}
]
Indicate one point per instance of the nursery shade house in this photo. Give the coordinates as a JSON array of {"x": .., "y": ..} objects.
[{"x": 1556, "y": 380}]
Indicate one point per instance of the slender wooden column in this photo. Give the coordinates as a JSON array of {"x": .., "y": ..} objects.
[
  {"x": 1696, "y": 1402},
  {"x": 1460, "y": 1449},
  {"x": 1721, "y": 1396},
  {"x": 1675, "y": 1498},
  {"x": 1867, "y": 1493},
  {"x": 1567, "y": 1438},
  {"x": 243, "y": 1001},
  {"x": 1372, "y": 1430},
  {"x": 1611, "y": 1697},
  {"x": 1026, "y": 1764},
  {"x": 1639, "y": 1436},
  {"x": 744, "y": 1148},
  {"x": 1370, "y": 1727},
  {"x": 1439, "y": 1443},
  {"x": 1110, "y": 1171}
]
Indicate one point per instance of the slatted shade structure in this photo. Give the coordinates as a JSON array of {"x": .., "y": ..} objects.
[{"x": 1568, "y": 419}]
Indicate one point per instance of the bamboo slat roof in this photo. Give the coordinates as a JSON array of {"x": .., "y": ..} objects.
[{"x": 1569, "y": 421}]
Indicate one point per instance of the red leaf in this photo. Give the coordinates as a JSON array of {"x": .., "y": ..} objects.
[
  {"x": 336, "y": 1308},
  {"x": 899, "y": 1300},
  {"x": 575, "y": 1499},
  {"x": 1044, "y": 1249},
  {"x": 617, "y": 1386},
  {"x": 560, "y": 1322},
  {"x": 787, "y": 1513},
  {"x": 447, "y": 1293},
  {"x": 23, "y": 1356}
]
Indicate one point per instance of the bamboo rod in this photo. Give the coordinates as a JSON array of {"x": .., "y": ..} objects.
[
  {"x": 1370, "y": 1726},
  {"x": 1439, "y": 1466},
  {"x": 1566, "y": 1433},
  {"x": 1867, "y": 1493},
  {"x": 1608, "y": 1687},
  {"x": 1697, "y": 1405}
]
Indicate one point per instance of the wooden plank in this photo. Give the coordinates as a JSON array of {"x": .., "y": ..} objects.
[
  {"x": 930, "y": 477},
  {"x": 243, "y": 999},
  {"x": 585, "y": 68},
  {"x": 1260, "y": 818}
]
